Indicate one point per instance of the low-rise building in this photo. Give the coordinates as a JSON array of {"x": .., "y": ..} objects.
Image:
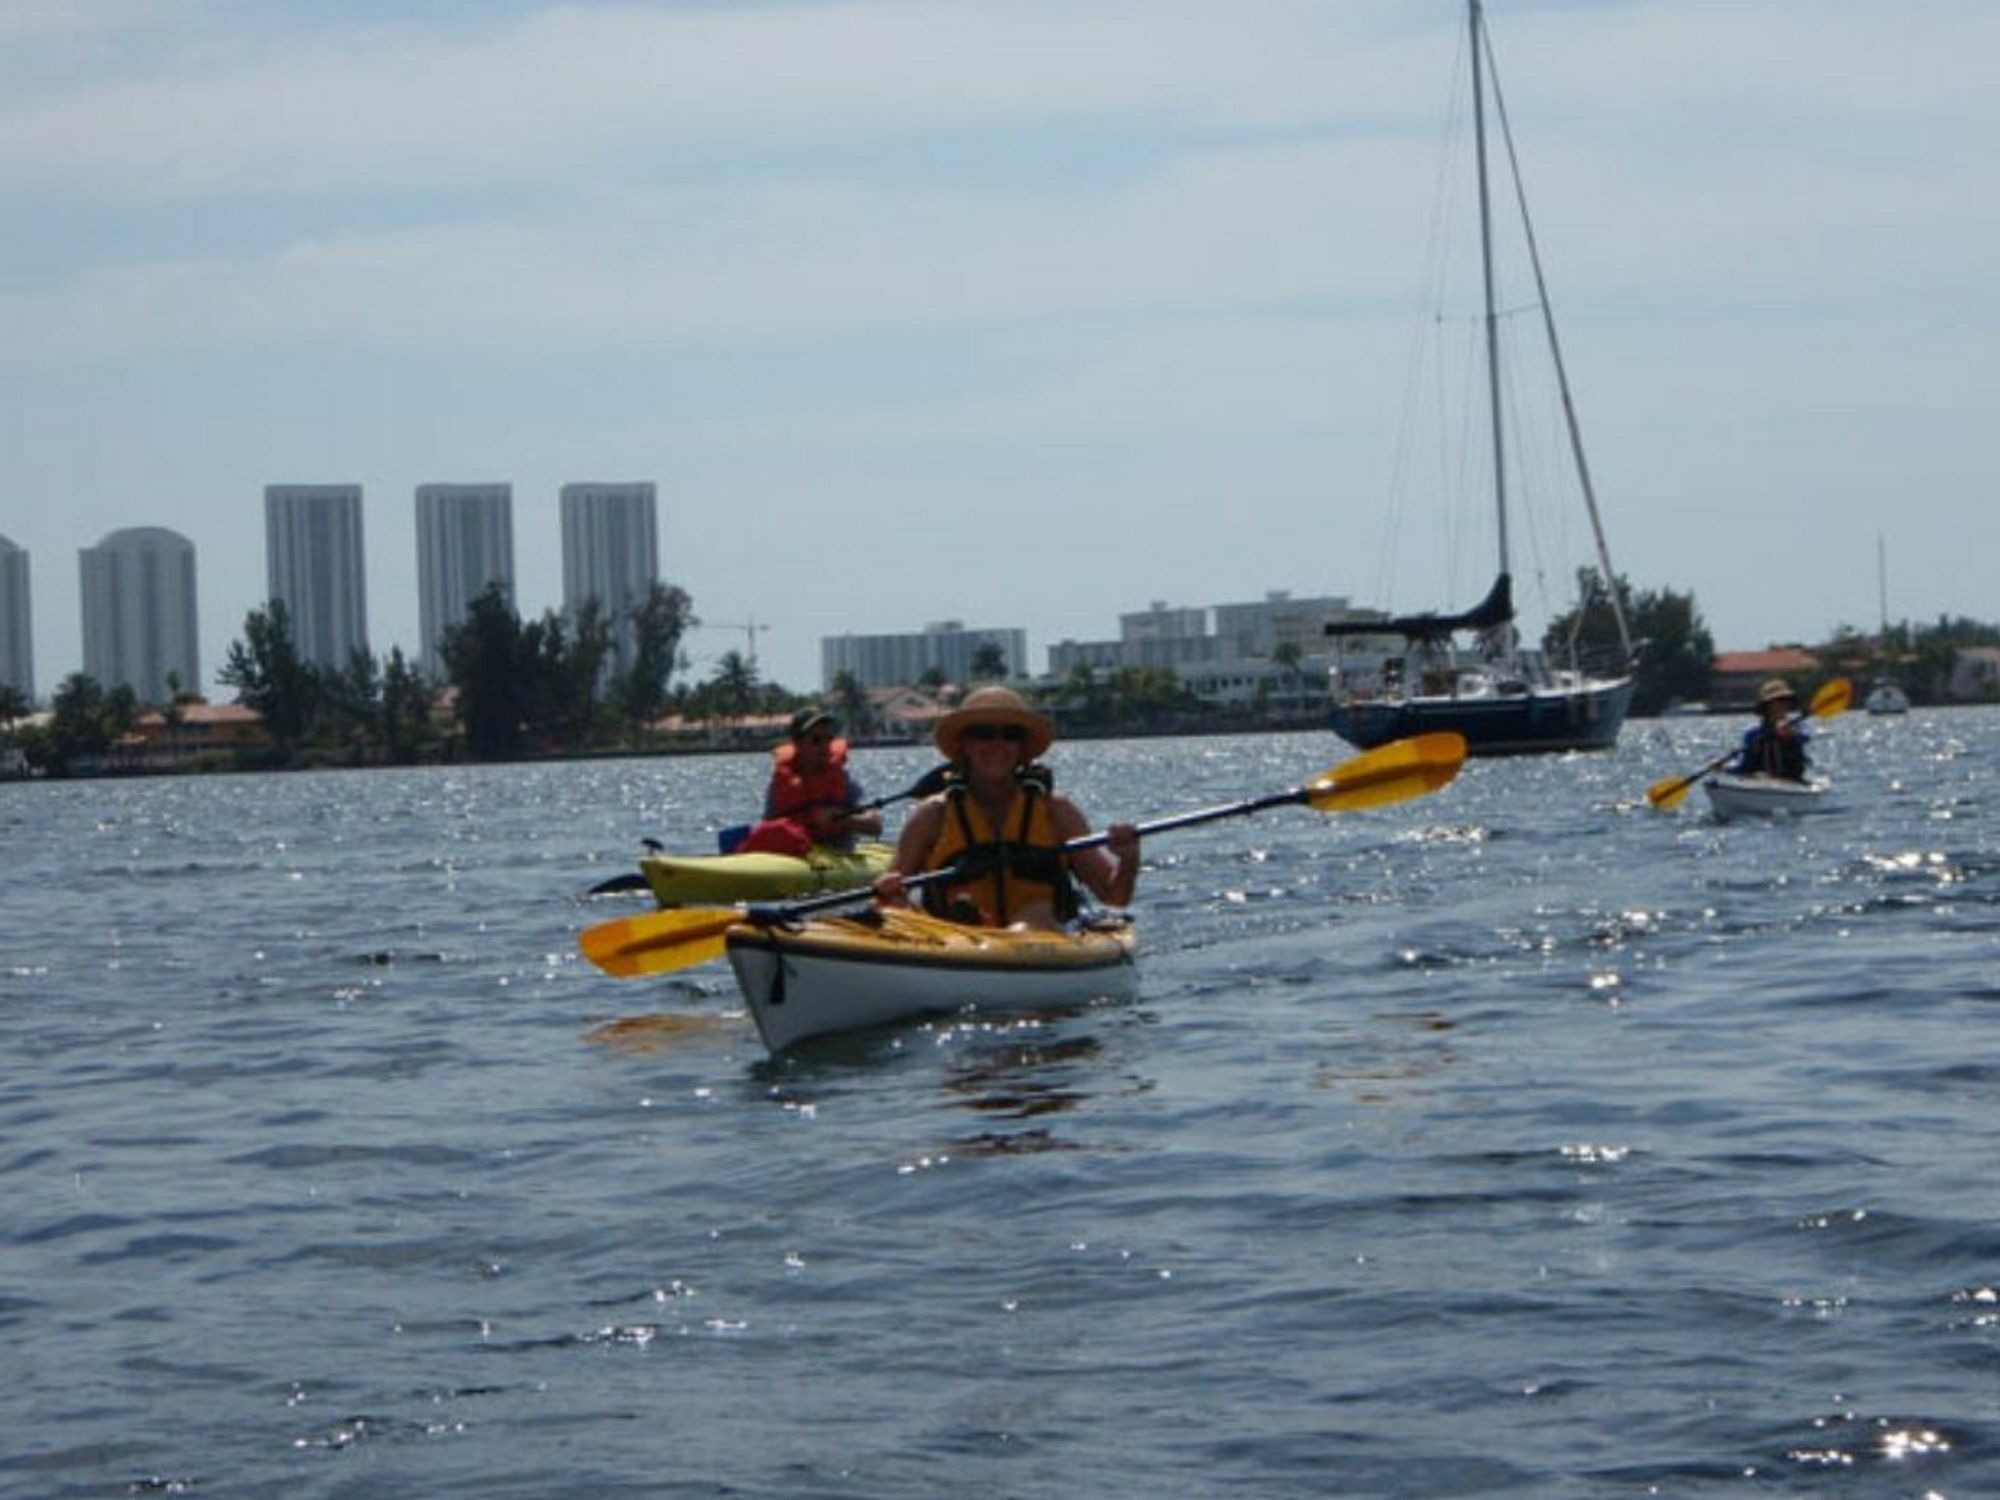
[
  {"x": 195, "y": 730},
  {"x": 1975, "y": 675},
  {"x": 1735, "y": 676}
]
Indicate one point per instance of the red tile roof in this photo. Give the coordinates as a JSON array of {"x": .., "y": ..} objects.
[{"x": 1777, "y": 660}]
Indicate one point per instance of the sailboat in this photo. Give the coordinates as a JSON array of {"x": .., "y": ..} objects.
[
  {"x": 1505, "y": 699},
  {"x": 1886, "y": 697}
]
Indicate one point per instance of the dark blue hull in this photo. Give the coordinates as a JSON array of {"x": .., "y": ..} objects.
[{"x": 1538, "y": 723}]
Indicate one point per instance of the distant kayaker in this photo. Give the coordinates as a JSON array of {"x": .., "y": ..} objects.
[
  {"x": 813, "y": 798},
  {"x": 1002, "y": 819},
  {"x": 1776, "y": 744}
]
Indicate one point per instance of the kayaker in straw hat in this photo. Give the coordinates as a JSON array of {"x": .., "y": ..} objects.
[
  {"x": 1001, "y": 817},
  {"x": 1776, "y": 744}
]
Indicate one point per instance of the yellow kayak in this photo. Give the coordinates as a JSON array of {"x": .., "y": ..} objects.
[
  {"x": 721, "y": 879},
  {"x": 828, "y": 974}
]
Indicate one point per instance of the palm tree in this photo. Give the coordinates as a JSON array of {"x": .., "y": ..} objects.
[
  {"x": 852, "y": 700},
  {"x": 735, "y": 681}
]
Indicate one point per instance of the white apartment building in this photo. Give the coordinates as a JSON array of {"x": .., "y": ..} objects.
[
  {"x": 139, "y": 626},
  {"x": 1233, "y": 665},
  {"x": 17, "y": 638},
  {"x": 465, "y": 541},
  {"x": 610, "y": 553},
  {"x": 316, "y": 568},
  {"x": 947, "y": 647}
]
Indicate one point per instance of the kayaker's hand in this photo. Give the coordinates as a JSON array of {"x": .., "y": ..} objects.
[
  {"x": 889, "y": 889},
  {"x": 1121, "y": 840}
]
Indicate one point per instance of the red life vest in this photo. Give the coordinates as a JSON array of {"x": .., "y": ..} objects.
[
  {"x": 794, "y": 799},
  {"x": 792, "y": 793}
]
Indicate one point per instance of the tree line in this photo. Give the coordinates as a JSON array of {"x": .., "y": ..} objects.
[
  {"x": 560, "y": 684},
  {"x": 511, "y": 687},
  {"x": 1676, "y": 652}
]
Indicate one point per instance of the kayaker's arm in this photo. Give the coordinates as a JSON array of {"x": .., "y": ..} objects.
[
  {"x": 858, "y": 817},
  {"x": 913, "y": 849},
  {"x": 1111, "y": 870}
]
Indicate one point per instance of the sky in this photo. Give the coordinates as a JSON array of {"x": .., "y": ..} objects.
[{"x": 1023, "y": 314}]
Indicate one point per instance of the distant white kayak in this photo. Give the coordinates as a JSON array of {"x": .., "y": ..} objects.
[{"x": 1766, "y": 796}]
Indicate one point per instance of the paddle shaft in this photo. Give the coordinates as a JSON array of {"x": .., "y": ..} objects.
[{"x": 785, "y": 911}]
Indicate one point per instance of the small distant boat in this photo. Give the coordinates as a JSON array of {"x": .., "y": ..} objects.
[
  {"x": 833, "y": 974},
  {"x": 1886, "y": 698},
  {"x": 1504, "y": 698},
  {"x": 1734, "y": 796}
]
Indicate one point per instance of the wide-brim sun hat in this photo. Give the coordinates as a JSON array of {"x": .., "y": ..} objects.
[
  {"x": 997, "y": 706},
  {"x": 1777, "y": 690}
]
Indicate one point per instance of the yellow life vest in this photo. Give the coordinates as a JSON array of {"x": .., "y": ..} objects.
[{"x": 1010, "y": 873}]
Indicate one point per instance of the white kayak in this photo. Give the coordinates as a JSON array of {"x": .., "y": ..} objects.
[
  {"x": 1765, "y": 796},
  {"x": 831, "y": 974}
]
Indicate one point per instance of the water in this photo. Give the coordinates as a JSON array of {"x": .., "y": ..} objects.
[{"x": 1519, "y": 1140}]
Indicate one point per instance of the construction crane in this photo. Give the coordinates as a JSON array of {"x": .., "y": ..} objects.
[{"x": 750, "y": 629}]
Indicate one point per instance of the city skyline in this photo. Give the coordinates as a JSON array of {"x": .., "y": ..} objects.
[
  {"x": 464, "y": 533},
  {"x": 475, "y": 520}
]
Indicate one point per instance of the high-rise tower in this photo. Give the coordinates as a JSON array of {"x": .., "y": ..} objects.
[
  {"x": 313, "y": 556},
  {"x": 610, "y": 540},
  {"x": 17, "y": 640},
  {"x": 465, "y": 541},
  {"x": 139, "y": 627}
]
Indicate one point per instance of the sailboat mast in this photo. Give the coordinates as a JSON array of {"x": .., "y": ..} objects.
[
  {"x": 1562, "y": 373},
  {"x": 1882, "y": 582},
  {"x": 1474, "y": 26}
]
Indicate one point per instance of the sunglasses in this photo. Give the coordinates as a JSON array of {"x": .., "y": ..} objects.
[{"x": 1013, "y": 734}]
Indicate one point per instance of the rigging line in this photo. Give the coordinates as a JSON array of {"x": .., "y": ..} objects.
[
  {"x": 1420, "y": 362},
  {"x": 1555, "y": 351}
]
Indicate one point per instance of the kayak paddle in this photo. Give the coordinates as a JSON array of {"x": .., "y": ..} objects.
[
  {"x": 1833, "y": 698},
  {"x": 928, "y": 784},
  {"x": 663, "y": 941}
]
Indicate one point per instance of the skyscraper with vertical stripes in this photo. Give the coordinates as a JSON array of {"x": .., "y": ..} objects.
[
  {"x": 465, "y": 541},
  {"x": 610, "y": 541},
  {"x": 314, "y": 560},
  {"x": 17, "y": 638},
  {"x": 139, "y": 625}
]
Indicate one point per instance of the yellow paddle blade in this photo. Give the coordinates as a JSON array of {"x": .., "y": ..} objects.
[
  {"x": 1389, "y": 773},
  {"x": 1672, "y": 791},
  {"x": 658, "y": 942},
  {"x": 1833, "y": 698}
]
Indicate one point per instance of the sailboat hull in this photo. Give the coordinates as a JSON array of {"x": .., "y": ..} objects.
[{"x": 1537, "y": 722}]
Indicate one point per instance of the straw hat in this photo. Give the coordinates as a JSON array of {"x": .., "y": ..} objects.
[
  {"x": 1777, "y": 690},
  {"x": 997, "y": 706}
]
